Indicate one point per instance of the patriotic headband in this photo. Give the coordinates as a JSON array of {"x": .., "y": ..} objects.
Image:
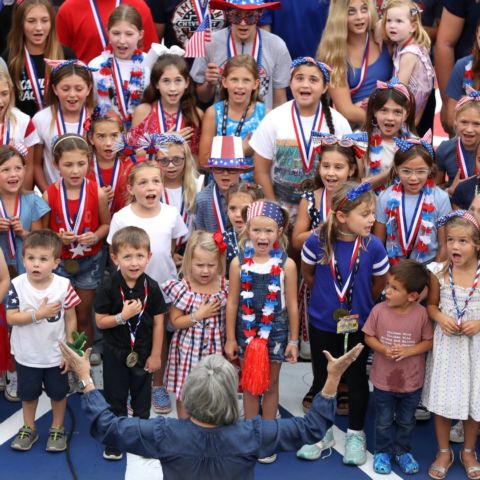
[
  {"x": 351, "y": 140},
  {"x": 460, "y": 214},
  {"x": 354, "y": 193},
  {"x": 57, "y": 65},
  {"x": 265, "y": 208},
  {"x": 471, "y": 96},
  {"x": 157, "y": 50},
  {"x": 324, "y": 68},
  {"x": 126, "y": 147},
  {"x": 158, "y": 142},
  {"x": 405, "y": 144},
  {"x": 19, "y": 149},
  {"x": 394, "y": 84}
]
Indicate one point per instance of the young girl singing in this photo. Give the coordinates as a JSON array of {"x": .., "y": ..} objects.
[
  {"x": 452, "y": 379},
  {"x": 345, "y": 266},
  {"x": 262, "y": 314},
  {"x": 408, "y": 210},
  {"x": 198, "y": 313}
]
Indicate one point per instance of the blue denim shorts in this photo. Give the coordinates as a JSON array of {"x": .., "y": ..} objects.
[
  {"x": 90, "y": 273},
  {"x": 31, "y": 379}
]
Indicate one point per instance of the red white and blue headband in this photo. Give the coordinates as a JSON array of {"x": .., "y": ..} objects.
[
  {"x": 354, "y": 193},
  {"x": 324, "y": 68},
  {"x": 158, "y": 142},
  {"x": 57, "y": 65},
  {"x": 265, "y": 208},
  {"x": 19, "y": 149},
  {"x": 405, "y": 144},
  {"x": 471, "y": 96},
  {"x": 469, "y": 217},
  {"x": 394, "y": 84}
]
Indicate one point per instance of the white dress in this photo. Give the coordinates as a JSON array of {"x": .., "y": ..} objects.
[{"x": 452, "y": 377}]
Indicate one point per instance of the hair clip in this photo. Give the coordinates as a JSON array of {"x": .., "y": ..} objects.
[
  {"x": 469, "y": 217},
  {"x": 19, "y": 148},
  {"x": 57, "y": 65},
  {"x": 324, "y": 68},
  {"x": 472, "y": 95},
  {"x": 157, "y": 50},
  {"x": 405, "y": 144},
  {"x": 415, "y": 11},
  {"x": 394, "y": 84},
  {"x": 354, "y": 193},
  {"x": 218, "y": 237},
  {"x": 126, "y": 147}
]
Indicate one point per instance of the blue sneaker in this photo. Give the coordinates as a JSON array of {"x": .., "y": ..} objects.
[
  {"x": 382, "y": 463},
  {"x": 161, "y": 400},
  {"x": 355, "y": 449},
  {"x": 314, "y": 452},
  {"x": 407, "y": 463}
]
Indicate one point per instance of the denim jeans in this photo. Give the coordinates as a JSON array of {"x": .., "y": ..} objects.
[{"x": 394, "y": 409}]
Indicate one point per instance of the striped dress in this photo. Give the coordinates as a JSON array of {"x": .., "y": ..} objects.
[{"x": 190, "y": 345}]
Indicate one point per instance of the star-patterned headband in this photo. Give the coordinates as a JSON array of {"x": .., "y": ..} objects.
[
  {"x": 458, "y": 214},
  {"x": 405, "y": 144},
  {"x": 471, "y": 96},
  {"x": 394, "y": 84},
  {"x": 354, "y": 193},
  {"x": 324, "y": 68},
  {"x": 265, "y": 208},
  {"x": 57, "y": 65}
]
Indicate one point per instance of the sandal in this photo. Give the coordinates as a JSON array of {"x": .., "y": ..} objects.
[
  {"x": 473, "y": 472},
  {"x": 436, "y": 471},
  {"x": 343, "y": 406},
  {"x": 307, "y": 401},
  {"x": 382, "y": 463}
]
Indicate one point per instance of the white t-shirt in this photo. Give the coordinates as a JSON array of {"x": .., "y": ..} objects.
[
  {"x": 36, "y": 345},
  {"x": 22, "y": 129},
  {"x": 161, "y": 229}
]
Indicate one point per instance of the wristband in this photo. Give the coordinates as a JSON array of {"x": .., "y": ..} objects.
[
  {"x": 34, "y": 317},
  {"x": 192, "y": 318},
  {"x": 294, "y": 343},
  {"x": 326, "y": 396},
  {"x": 119, "y": 319}
]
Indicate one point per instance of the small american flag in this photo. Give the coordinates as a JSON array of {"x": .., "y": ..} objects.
[{"x": 196, "y": 45}]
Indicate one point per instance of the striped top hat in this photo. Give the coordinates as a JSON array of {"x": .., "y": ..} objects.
[
  {"x": 227, "y": 152},
  {"x": 243, "y": 4}
]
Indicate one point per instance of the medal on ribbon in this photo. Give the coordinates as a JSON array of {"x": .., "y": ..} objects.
[
  {"x": 115, "y": 174},
  {"x": 12, "y": 248},
  {"x": 60, "y": 122},
  {"x": 98, "y": 22},
  {"x": 162, "y": 121},
  {"x": 461, "y": 161},
  {"x": 217, "y": 208},
  {"x": 5, "y": 135},
  {"x": 256, "y": 48},
  {"x": 407, "y": 234},
  {"x": 364, "y": 69},
  {"x": 461, "y": 312},
  {"x": 34, "y": 80}
]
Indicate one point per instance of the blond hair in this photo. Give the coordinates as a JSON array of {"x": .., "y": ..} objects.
[
  {"x": 333, "y": 48},
  {"x": 137, "y": 168},
  {"x": 420, "y": 35},
  {"x": 5, "y": 77},
  {"x": 204, "y": 241}
]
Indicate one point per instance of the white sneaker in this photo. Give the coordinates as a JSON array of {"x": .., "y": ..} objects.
[
  {"x": 10, "y": 392},
  {"x": 305, "y": 352},
  {"x": 456, "y": 432},
  {"x": 3, "y": 382},
  {"x": 269, "y": 459}
]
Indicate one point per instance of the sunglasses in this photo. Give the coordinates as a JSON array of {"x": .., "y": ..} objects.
[
  {"x": 166, "y": 161},
  {"x": 229, "y": 171},
  {"x": 250, "y": 18}
]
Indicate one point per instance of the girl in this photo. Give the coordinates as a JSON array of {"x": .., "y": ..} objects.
[
  {"x": 168, "y": 103},
  {"x": 263, "y": 330},
  {"x": 407, "y": 211},
  {"x": 390, "y": 113},
  {"x": 353, "y": 81},
  {"x": 238, "y": 196},
  {"x": 80, "y": 216},
  {"x": 239, "y": 113},
  {"x": 122, "y": 76},
  {"x": 284, "y": 159},
  {"x": 109, "y": 168},
  {"x": 402, "y": 26},
  {"x": 198, "y": 313},
  {"x": 32, "y": 38},
  {"x": 452, "y": 379},
  {"x": 345, "y": 266},
  {"x": 456, "y": 157},
  {"x": 70, "y": 100},
  {"x": 16, "y": 126}
]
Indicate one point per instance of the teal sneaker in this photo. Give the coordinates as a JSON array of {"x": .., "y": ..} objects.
[
  {"x": 407, "y": 463},
  {"x": 314, "y": 452},
  {"x": 382, "y": 463},
  {"x": 355, "y": 449}
]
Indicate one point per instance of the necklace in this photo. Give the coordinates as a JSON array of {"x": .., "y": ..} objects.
[
  {"x": 240, "y": 123},
  {"x": 461, "y": 313},
  {"x": 346, "y": 234}
]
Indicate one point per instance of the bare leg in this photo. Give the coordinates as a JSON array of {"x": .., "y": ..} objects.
[
  {"x": 442, "y": 432},
  {"x": 251, "y": 404},
  {"x": 58, "y": 412},
  {"x": 29, "y": 408},
  {"x": 270, "y": 397},
  {"x": 470, "y": 428},
  {"x": 84, "y": 313}
]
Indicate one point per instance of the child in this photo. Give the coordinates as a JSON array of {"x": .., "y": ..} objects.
[
  {"x": 129, "y": 309},
  {"x": 345, "y": 266},
  {"x": 238, "y": 113},
  {"x": 402, "y": 26},
  {"x": 122, "y": 76},
  {"x": 79, "y": 215},
  {"x": 238, "y": 196},
  {"x": 400, "y": 332},
  {"x": 452, "y": 382},
  {"x": 70, "y": 100},
  {"x": 32, "y": 38},
  {"x": 168, "y": 103},
  {"x": 262, "y": 315},
  {"x": 16, "y": 126},
  {"x": 198, "y": 310},
  {"x": 408, "y": 210},
  {"x": 226, "y": 162},
  {"x": 456, "y": 157},
  {"x": 468, "y": 189},
  {"x": 390, "y": 108},
  {"x": 41, "y": 310},
  {"x": 284, "y": 152},
  {"x": 109, "y": 168}
]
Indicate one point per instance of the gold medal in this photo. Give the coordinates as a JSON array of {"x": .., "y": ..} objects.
[
  {"x": 339, "y": 313},
  {"x": 132, "y": 359},
  {"x": 71, "y": 266},
  {"x": 12, "y": 271}
]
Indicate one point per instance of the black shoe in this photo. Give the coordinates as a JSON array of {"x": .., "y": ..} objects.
[{"x": 111, "y": 453}]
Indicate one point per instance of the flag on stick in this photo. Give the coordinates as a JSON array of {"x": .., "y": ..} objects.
[{"x": 195, "y": 47}]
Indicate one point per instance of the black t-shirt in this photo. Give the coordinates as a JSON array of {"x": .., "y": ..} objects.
[
  {"x": 465, "y": 192},
  {"x": 108, "y": 300}
]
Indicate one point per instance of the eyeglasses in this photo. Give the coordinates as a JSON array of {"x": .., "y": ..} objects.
[
  {"x": 250, "y": 18},
  {"x": 166, "y": 161},
  {"x": 228, "y": 171},
  {"x": 408, "y": 172}
]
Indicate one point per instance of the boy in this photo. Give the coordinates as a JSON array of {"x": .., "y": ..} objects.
[
  {"x": 226, "y": 163},
  {"x": 129, "y": 308},
  {"x": 41, "y": 310},
  {"x": 400, "y": 332}
]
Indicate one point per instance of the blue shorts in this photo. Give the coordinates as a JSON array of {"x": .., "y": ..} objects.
[
  {"x": 31, "y": 379},
  {"x": 89, "y": 275}
]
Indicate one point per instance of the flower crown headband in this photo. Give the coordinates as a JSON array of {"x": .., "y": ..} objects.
[
  {"x": 57, "y": 65},
  {"x": 471, "y": 96},
  {"x": 394, "y": 84},
  {"x": 353, "y": 194},
  {"x": 324, "y": 68},
  {"x": 405, "y": 144},
  {"x": 469, "y": 217}
]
